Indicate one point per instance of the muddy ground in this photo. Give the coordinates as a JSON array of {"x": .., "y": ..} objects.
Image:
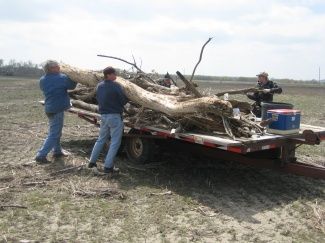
[{"x": 175, "y": 198}]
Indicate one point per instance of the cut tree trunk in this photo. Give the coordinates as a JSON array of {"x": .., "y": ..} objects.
[
  {"x": 158, "y": 102},
  {"x": 84, "y": 105}
]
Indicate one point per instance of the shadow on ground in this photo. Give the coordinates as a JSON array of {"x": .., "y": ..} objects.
[{"x": 224, "y": 187}]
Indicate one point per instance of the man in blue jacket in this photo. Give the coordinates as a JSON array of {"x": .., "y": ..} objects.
[
  {"x": 111, "y": 100},
  {"x": 55, "y": 87}
]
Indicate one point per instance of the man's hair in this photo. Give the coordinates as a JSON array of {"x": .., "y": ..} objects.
[
  {"x": 108, "y": 70},
  {"x": 48, "y": 64}
]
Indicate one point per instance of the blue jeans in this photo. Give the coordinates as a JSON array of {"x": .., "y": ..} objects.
[
  {"x": 54, "y": 135},
  {"x": 111, "y": 126}
]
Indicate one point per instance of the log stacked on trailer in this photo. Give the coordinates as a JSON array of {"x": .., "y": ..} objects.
[{"x": 184, "y": 109}]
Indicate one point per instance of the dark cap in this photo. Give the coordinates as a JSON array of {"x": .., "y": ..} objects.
[{"x": 109, "y": 70}]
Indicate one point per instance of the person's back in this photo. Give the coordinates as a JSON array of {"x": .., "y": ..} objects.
[
  {"x": 54, "y": 86},
  {"x": 110, "y": 97},
  {"x": 55, "y": 89},
  {"x": 111, "y": 100}
]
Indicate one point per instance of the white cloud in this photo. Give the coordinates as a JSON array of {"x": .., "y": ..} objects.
[{"x": 284, "y": 38}]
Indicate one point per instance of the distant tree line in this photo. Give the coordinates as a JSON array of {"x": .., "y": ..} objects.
[
  {"x": 21, "y": 68},
  {"x": 30, "y": 69},
  {"x": 248, "y": 79}
]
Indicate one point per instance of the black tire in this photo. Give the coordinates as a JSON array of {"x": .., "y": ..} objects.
[
  {"x": 139, "y": 150},
  {"x": 266, "y": 154}
]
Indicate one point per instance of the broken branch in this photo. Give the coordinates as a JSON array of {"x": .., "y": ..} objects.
[
  {"x": 12, "y": 206},
  {"x": 201, "y": 54},
  {"x": 189, "y": 85}
]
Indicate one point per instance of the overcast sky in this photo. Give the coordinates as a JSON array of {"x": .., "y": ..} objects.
[{"x": 285, "y": 38}]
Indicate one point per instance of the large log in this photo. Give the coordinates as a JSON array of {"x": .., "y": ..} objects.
[
  {"x": 84, "y": 105},
  {"x": 239, "y": 91},
  {"x": 158, "y": 102},
  {"x": 91, "y": 79}
]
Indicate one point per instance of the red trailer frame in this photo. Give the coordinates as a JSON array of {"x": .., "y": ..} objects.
[{"x": 249, "y": 151}]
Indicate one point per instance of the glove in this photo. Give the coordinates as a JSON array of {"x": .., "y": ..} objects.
[{"x": 266, "y": 91}]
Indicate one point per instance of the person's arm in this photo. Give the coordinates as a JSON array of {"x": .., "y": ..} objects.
[
  {"x": 253, "y": 96},
  {"x": 70, "y": 84},
  {"x": 122, "y": 97},
  {"x": 276, "y": 89},
  {"x": 41, "y": 86}
]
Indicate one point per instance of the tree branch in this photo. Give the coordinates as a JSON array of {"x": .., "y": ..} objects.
[
  {"x": 201, "y": 54},
  {"x": 130, "y": 63},
  {"x": 189, "y": 85},
  {"x": 239, "y": 91}
]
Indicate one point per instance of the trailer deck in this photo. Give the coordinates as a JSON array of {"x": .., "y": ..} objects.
[
  {"x": 223, "y": 147},
  {"x": 308, "y": 134},
  {"x": 313, "y": 136}
]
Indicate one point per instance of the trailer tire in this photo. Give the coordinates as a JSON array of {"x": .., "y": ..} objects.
[{"x": 139, "y": 150}]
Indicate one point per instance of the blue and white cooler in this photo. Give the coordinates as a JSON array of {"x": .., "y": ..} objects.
[{"x": 285, "y": 121}]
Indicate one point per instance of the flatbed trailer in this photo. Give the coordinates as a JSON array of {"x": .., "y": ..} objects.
[{"x": 264, "y": 151}]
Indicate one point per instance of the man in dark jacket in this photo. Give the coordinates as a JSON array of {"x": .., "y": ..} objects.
[
  {"x": 55, "y": 87},
  {"x": 166, "y": 81},
  {"x": 268, "y": 88},
  {"x": 111, "y": 100}
]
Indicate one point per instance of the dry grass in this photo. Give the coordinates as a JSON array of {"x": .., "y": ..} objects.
[{"x": 176, "y": 198}]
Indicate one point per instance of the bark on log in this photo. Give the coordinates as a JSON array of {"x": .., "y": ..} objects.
[
  {"x": 84, "y": 105},
  {"x": 158, "y": 102},
  {"x": 87, "y": 113},
  {"x": 91, "y": 79},
  {"x": 85, "y": 77}
]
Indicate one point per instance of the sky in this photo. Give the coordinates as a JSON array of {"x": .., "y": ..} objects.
[{"x": 285, "y": 38}]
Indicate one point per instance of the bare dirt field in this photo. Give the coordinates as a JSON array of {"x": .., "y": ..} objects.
[{"x": 176, "y": 198}]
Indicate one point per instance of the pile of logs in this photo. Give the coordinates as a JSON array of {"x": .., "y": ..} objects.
[{"x": 182, "y": 109}]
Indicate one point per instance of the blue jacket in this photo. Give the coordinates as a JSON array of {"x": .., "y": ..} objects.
[
  {"x": 110, "y": 97},
  {"x": 55, "y": 90}
]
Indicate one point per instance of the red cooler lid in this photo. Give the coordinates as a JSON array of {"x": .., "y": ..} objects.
[{"x": 284, "y": 111}]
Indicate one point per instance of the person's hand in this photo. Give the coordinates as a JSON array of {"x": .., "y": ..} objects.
[{"x": 266, "y": 91}]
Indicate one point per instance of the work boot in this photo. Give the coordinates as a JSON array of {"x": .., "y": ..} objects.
[
  {"x": 63, "y": 153},
  {"x": 113, "y": 170},
  {"x": 42, "y": 160},
  {"x": 92, "y": 165}
]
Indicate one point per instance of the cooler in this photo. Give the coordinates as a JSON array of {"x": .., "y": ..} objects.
[{"x": 285, "y": 121}]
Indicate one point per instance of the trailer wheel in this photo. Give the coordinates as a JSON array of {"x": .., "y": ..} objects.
[{"x": 139, "y": 150}]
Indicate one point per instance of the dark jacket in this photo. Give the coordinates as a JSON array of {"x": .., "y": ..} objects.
[
  {"x": 163, "y": 83},
  {"x": 268, "y": 97},
  {"x": 111, "y": 98},
  {"x": 55, "y": 90}
]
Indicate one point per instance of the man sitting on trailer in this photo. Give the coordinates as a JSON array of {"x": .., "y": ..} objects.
[
  {"x": 267, "y": 89},
  {"x": 111, "y": 100},
  {"x": 55, "y": 87},
  {"x": 166, "y": 81}
]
